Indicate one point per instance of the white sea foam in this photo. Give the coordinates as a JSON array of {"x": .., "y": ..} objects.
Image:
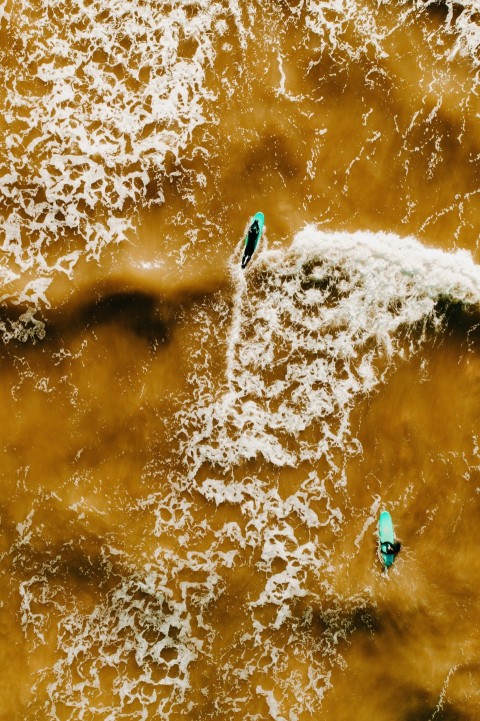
[
  {"x": 101, "y": 94},
  {"x": 461, "y": 21},
  {"x": 313, "y": 329},
  {"x": 333, "y": 24},
  {"x": 137, "y": 621}
]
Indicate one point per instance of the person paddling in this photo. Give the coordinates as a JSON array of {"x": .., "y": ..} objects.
[
  {"x": 391, "y": 548},
  {"x": 251, "y": 244},
  {"x": 388, "y": 546}
]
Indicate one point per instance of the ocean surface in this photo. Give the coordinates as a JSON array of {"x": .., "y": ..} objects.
[{"x": 194, "y": 457}]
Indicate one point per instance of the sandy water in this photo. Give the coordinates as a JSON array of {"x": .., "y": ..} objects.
[{"x": 194, "y": 458}]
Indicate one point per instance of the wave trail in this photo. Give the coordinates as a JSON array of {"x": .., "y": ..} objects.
[{"x": 315, "y": 327}]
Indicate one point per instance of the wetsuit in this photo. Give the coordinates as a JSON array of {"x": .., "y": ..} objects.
[
  {"x": 252, "y": 238},
  {"x": 390, "y": 548}
]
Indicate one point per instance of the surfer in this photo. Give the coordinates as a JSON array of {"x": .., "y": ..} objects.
[
  {"x": 251, "y": 244},
  {"x": 391, "y": 548}
]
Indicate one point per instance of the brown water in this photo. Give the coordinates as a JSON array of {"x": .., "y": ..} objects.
[{"x": 194, "y": 458}]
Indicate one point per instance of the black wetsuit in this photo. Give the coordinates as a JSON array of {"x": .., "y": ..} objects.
[
  {"x": 252, "y": 238},
  {"x": 390, "y": 548}
]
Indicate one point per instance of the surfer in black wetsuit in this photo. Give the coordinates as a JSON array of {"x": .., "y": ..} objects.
[
  {"x": 253, "y": 233},
  {"x": 391, "y": 548}
]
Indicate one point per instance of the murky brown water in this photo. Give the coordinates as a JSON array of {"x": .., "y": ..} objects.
[{"x": 194, "y": 459}]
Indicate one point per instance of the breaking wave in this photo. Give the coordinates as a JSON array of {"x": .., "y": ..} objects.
[{"x": 311, "y": 330}]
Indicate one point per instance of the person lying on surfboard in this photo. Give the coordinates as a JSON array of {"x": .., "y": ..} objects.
[
  {"x": 390, "y": 548},
  {"x": 251, "y": 244}
]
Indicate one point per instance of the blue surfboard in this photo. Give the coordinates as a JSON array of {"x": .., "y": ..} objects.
[
  {"x": 385, "y": 535},
  {"x": 252, "y": 238}
]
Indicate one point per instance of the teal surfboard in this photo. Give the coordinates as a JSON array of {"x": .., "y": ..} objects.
[
  {"x": 385, "y": 534},
  {"x": 252, "y": 238}
]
